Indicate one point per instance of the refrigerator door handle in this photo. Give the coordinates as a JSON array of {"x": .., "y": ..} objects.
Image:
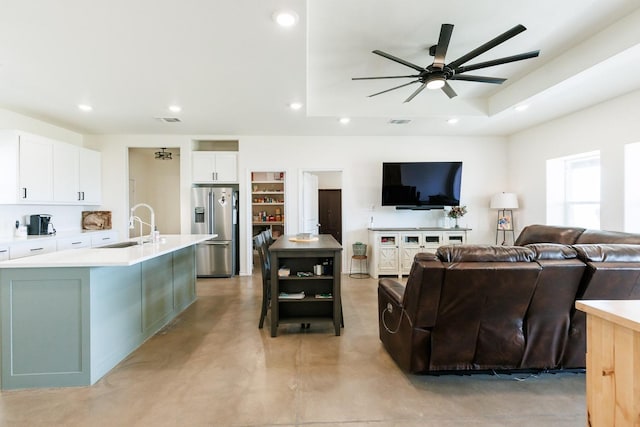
[
  {"x": 212, "y": 212},
  {"x": 217, "y": 243}
]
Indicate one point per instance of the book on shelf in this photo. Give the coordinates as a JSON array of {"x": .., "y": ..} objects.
[
  {"x": 324, "y": 296},
  {"x": 295, "y": 295}
]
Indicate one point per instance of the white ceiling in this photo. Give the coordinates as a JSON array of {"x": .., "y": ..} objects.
[{"x": 234, "y": 71}]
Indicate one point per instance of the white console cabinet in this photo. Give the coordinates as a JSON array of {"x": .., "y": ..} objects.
[{"x": 393, "y": 249}]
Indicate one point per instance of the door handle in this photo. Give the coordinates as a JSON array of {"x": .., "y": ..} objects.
[{"x": 24, "y": 192}]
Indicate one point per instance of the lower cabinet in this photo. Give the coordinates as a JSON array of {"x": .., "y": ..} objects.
[
  {"x": 68, "y": 326},
  {"x": 393, "y": 250}
]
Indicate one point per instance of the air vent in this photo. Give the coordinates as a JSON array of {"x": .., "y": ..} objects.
[
  {"x": 399, "y": 121},
  {"x": 169, "y": 119}
]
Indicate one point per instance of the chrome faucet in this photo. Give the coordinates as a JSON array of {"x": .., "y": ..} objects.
[{"x": 133, "y": 218}]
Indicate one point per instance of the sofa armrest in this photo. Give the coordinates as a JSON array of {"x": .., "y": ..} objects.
[{"x": 394, "y": 290}]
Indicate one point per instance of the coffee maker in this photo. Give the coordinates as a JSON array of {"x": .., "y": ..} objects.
[{"x": 39, "y": 224}]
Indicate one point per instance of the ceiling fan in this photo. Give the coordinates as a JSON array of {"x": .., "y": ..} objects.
[{"x": 437, "y": 75}]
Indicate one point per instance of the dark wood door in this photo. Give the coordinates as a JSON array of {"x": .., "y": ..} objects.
[{"x": 330, "y": 213}]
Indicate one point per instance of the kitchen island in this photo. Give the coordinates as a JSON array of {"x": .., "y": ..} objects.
[{"x": 68, "y": 317}]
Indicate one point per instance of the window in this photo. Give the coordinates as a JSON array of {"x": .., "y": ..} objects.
[
  {"x": 631, "y": 194},
  {"x": 573, "y": 190}
]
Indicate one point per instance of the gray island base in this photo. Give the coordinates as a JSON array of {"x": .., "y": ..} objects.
[{"x": 68, "y": 326}]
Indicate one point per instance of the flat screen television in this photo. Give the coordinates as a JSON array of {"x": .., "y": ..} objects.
[{"x": 421, "y": 185}]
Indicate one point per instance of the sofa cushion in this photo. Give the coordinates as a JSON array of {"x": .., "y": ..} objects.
[
  {"x": 548, "y": 234},
  {"x": 608, "y": 253},
  {"x": 484, "y": 253},
  {"x": 552, "y": 251},
  {"x": 600, "y": 236}
]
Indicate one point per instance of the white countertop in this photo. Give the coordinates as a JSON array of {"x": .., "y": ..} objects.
[{"x": 108, "y": 257}]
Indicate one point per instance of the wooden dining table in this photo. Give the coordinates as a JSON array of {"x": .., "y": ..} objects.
[{"x": 298, "y": 293}]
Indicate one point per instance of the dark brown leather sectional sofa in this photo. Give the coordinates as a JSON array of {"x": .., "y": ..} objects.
[{"x": 481, "y": 307}]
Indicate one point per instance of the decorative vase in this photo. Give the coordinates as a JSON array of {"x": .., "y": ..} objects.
[{"x": 456, "y": 223}]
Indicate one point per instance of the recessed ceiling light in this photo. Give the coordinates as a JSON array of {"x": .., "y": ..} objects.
[
  {"x": 453, "y": 120},
  {"x": 345, "y": 120},
  {"x": 286, "y": 18},
  {"x": 175, "y": 108},
  {"x": 522, "y": 107},
  {"x": 85, "y": 107},
  {"x": 295, "y": 105}
]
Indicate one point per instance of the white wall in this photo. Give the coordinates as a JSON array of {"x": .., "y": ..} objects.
[
  {"x": 360, "y": 159},
  {"x": 606, "y": 127}
]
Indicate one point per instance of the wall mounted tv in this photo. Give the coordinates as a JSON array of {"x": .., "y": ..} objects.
[{"x": 421, "y": 185}]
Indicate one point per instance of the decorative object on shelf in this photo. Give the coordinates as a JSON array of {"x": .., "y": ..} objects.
[
  {"x": 456, "y": 213},
  {"x": 505, "y": 203},
  {"x": 96, "y": 220},
  {"x": 163, "y": 155}
]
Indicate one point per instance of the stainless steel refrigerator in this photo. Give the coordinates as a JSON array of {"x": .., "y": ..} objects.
[{"x": 214, "y": 210}]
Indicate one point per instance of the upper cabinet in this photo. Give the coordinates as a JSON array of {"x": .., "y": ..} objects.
[
  {"x": 90, "y": 177},
  {"x": 38, "y": 170},
  {"x": 212, "y": 167},
  {"x": 35, "y": 169},
  {"x": 77, "y": 175}
]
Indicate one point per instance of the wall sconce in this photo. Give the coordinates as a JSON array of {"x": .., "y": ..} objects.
[{"x": 505, "y": 203}]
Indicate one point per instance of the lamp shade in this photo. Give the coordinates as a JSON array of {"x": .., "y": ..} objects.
[{"x": 504, "y": 201}]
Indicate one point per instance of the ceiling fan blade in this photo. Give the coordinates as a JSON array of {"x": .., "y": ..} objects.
[
  {"x": 383, "y": 77},
  {"x": 498, "y": 61},
  {"x": 398, "y": 60},
  {"x": 481, "y": 79},
  {"x": 449, "y": 90},
  {"x": 417, "y": 91},
  {"x": 394, "y": 88},
  {"x": 442, "y": 46},
  {"x": 488, "y": 45}
]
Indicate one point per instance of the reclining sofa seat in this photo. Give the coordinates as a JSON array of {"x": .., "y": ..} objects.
[
  {"x": 612, "y": 260},
  {"x": 613, "y": 273},
  {"x": 478, "y": 307},
  {"x": 428, "y": 326}
]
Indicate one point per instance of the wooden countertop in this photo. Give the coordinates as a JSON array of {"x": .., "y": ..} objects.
[{"x": 622, "y": 312}]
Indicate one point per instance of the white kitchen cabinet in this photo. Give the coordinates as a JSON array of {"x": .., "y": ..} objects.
[
  {"x": 32, "y": 247},
  {"x": 38, "y": 170},
  {"x": 211, "y": 167},
  {"x": 75, "y": 242},
  {"x": 103, "y": 238},
  {"x": 394, "y": 249},
  {"x": 77, "y": 175},
  {"x": 65, "y": 175},
  {"x": 90, "y": 173},
  {"x": 26, "y": 168}
]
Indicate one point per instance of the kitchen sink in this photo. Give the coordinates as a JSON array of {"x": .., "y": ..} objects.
[{"x": 119, "y": 245}]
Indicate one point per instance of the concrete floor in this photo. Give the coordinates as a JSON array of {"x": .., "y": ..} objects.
[{"x": 213, "y": 367}]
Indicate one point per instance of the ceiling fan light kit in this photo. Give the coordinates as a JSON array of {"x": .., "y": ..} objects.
[{"x": 437, "y": 75}]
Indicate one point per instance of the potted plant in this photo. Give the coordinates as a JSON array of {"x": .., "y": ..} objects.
[{"x": 457, "y": 212}]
